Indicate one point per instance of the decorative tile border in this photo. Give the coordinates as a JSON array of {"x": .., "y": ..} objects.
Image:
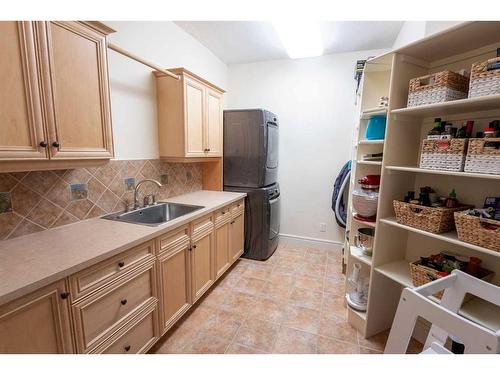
[{"x": 38, "y": 200}]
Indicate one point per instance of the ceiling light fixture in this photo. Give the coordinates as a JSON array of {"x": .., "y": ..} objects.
[{"x": 300, "y": 38}]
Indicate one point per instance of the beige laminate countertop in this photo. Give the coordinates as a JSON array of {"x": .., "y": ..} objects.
[{"x": 31, "y": 262}]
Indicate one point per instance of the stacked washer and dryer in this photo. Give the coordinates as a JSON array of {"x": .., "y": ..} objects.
[{"x": 251, "y": 166}]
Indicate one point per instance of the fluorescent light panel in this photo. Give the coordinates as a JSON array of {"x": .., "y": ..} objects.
[{"x": 300, "y": 38}]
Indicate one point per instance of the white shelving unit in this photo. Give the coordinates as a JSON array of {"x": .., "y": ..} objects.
[
  {"x": 376, "y": 77},
  {"x": 397, "y": 245}
]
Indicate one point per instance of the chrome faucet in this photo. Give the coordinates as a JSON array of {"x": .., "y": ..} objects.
[{"x": 136, "y": 190}]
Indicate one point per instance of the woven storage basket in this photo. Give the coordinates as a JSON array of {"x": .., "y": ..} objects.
[
  {"x": 438, "y": 87},
  {"x": 448, "y": 155},
  {"x": 483, "y": 81},
  {"x": 483, "y": 159},
  {"x": 478, "y": 231},
  {"x": 430, "y": 219},
  {"x": 421, "y": 275}
]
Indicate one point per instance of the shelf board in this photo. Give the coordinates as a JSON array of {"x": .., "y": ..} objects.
[
  {"x": 369, "y": 162},
  {"x": 357, "y": 253},
  {"x": 367, "y": 113},
  {"x": 450, "y": 237},
  {"x": 481, "y": 103},
  {"x": 371, "y": 142},
  {"x": 446, "y": 173},
  {"x": 477, "y": 310}
]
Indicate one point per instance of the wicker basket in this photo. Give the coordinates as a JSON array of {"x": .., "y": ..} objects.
[
  {"x": 483, "y": 159},
  {"x": 430, "y": 219},
  {"x": 421, "y": 275},
  {"x": 478, "y": 231},
  {"x": 483, "y": 81},
  {"x": 448, "y": 155},
  {"x": 438, "y": 87}
]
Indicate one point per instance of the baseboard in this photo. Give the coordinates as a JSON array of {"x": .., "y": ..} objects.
[{"x": 310, "y": 242}]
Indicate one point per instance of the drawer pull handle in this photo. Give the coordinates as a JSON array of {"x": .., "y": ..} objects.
[
  {"x": 121, "y": 264},
  {"x": 55, "y": 144},
  {"x": 123, "y": 302},
  {"x": 194, "y": 246},
  {"x": 127, "y": 348},
  {"x": 232, "y": 222},
  {"x": 43, "y": 144},
  {"x": 64, "y": 295}
]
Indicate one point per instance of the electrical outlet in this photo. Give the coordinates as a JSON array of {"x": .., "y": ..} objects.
[{"x": 322, "y": 227}]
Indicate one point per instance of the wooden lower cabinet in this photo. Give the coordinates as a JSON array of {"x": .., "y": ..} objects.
[
  {"x": 222, "y": 249},
  {"x": 174, "y": 277},
  {"x": 202, "y": 256},
  {"x": 37, "y": 323},
  {"x": 237, "y": 237}
]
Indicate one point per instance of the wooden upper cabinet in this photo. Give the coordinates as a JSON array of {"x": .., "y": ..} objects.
[
  {"x": 190, "y": 123},
  {"x": 37, "y": 323},
  {"x": 21, "y": 127},
  {"x": 75, "y": 82}
]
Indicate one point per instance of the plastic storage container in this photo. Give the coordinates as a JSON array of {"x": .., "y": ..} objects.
[{"x": 376, "y": 128}]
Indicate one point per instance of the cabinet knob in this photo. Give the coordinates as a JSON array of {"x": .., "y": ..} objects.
[
  {"x": 194, "y": 246},
  {"x": 43, "y": 144},
  {"x": 232, "y": 222},
  {"x": 64, "y": 295},
  {"x": 55, "y": 144},
  {"x": 123, "y": 302},
  {"x": 121, "y": 264},
  {"x": 127, "y": 348}
]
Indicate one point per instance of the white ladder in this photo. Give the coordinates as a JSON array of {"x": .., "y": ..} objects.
[{"x": 444, "y": 316}]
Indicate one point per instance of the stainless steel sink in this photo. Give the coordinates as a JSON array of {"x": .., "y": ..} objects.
[{"x": 157, "y": 214}]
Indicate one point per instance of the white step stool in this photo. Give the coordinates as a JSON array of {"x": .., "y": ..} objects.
[{"x": 444, "y": 316}]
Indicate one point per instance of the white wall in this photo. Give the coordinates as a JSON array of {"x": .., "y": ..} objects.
[
  {"x": 133, "y": 91},
  {"x": 314, "y": 100}
]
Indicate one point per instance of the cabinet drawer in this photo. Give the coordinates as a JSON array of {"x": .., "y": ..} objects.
[
  {"x": 222, "y": 216},
  {"x": 136, "y": 337},
  {"x": 98, "y": 314},
  {"x": 237, "y": 208},
  {"x": 179, "y": 238},
  {"x": 202, "y": 227},
  {"x": 92, "y": 278}
]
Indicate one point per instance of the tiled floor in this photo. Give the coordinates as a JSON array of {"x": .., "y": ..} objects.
[{"x": 291, "y": 303}]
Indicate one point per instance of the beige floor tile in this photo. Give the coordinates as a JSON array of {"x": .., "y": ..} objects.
[
  {"x": 311, "y": 270},
  {"x": 249, "y": 285},
  {"x": 258, "y": 271},
  {"x": 238, "y": 303},
  {"x": 306, "y": 298},
  {"x": 332, "y": 346},
  {"x": 241, "y": 349},
  {"x": 311, "y": 283},
  {"x": 292, "y": 341},
  {"x": 267, "y": 309},
  {"x": 215, "y": 297},
  {"x": 333, "y": 269},
  {"x": 176, "y": 339},
  {"x": 315, "y": 258},
  {"x": 340, "y": 330},
  {"x": 282, "y": 279},
  {"x": 223, "y": 325},
  {"x": 334, "y": 286},
  {"x": 289, "y": 263},
  {"x": 368, "y": 351},
  {"x": 315, "y": 251},
  {"x": 278, "y": 291},
  {"x": 333, "y": 305},
  {"x": 257, "y": 334},
  {"x": 230, "y": 280},
  {"x": 376, "y": 342},
  {"x": 302, "y": 319},
  {"x": 205, "y": 344}
]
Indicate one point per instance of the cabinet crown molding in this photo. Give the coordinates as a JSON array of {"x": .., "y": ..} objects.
[{"x": 183, "y": 72}]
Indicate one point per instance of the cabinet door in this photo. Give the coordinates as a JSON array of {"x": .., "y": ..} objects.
[
  {"x": 37, "y": 323},
  {"x": 236, "y": 237},
  {"x": 194, "y": 108},
  {"x": 213, "y": 129},
  {"x": 222, "y": 249},
  {"x": 75, "y": 81},
  {"x": 174, "y": 284},
  {"x": 202, "y": 256},
  {"x": 21, "y": 127}
]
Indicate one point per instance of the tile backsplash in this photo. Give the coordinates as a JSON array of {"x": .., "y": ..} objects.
[{"x": 38, "y": 200}]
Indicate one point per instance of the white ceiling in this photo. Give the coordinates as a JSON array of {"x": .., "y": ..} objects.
[{"x": 237, "y": 42}]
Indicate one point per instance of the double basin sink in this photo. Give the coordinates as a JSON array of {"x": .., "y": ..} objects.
[{"x": 154, "y": 215}]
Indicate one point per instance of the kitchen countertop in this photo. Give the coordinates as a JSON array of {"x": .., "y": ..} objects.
[{"x": 33, "y": 261}]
